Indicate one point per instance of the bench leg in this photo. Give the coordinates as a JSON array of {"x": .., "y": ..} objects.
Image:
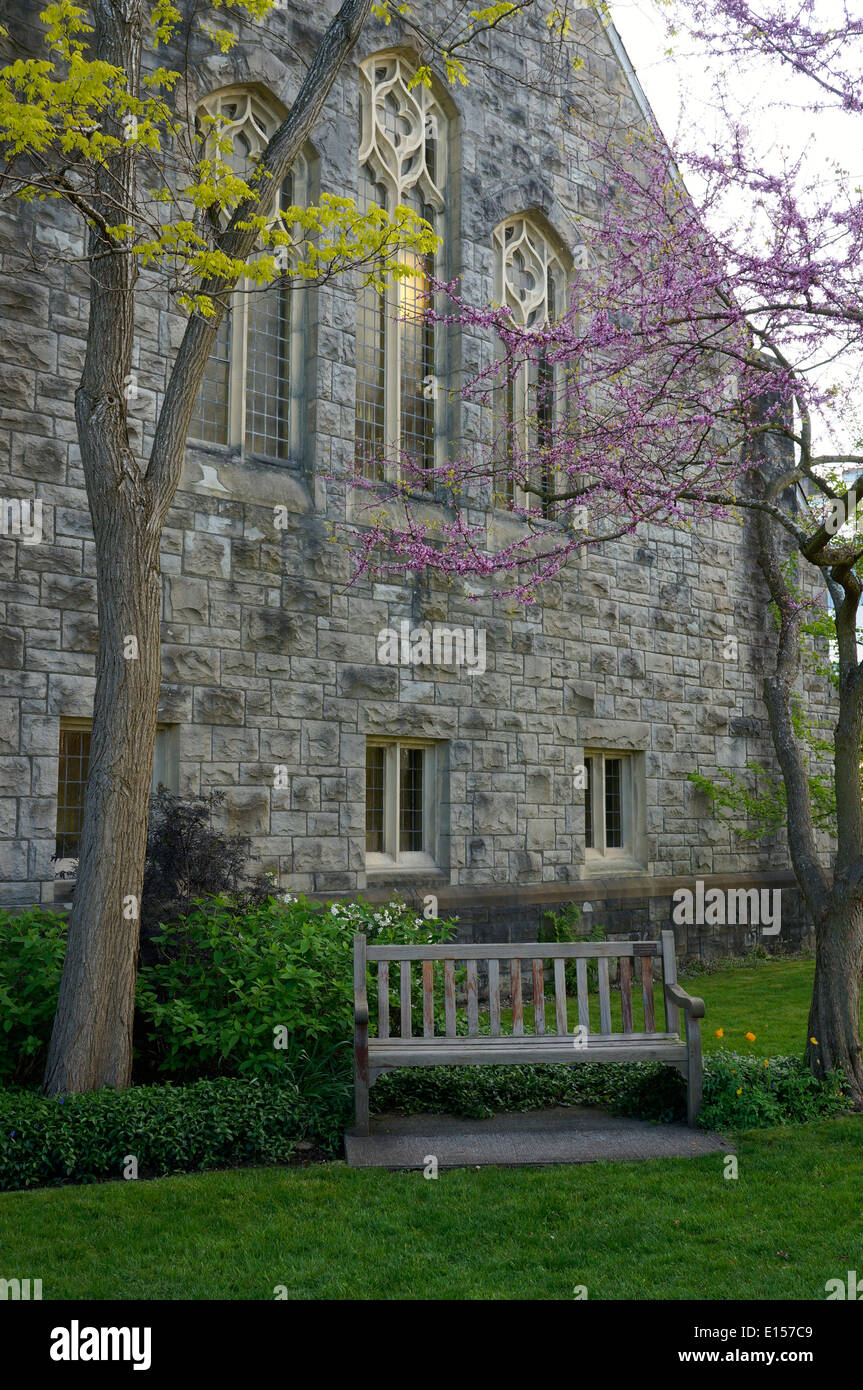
[
  {"x": 361, "y": 1095},
  {"x": 693, "y": 1069}
]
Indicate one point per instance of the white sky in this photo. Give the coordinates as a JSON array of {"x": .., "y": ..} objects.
[
  {"x": 773, "y": 103},
  {"x": 679, "y": 88}
]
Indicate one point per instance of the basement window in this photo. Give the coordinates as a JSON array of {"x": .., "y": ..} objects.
[
  {"x": 401, "y": 804},
  {"x": 74, "y": 762},
  {"x": 613, "y": 810}
]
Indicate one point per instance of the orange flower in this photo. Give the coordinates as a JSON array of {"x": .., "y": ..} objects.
[
  {"x": 750, "y": 1037},
  {"x": 720, "y": 1032}
]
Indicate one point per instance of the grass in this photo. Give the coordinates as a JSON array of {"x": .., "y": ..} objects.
[
  {"x": 668, "y": 1229},
  {"x": 769, "y": 999}
]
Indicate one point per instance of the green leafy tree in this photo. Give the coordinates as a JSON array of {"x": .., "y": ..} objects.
[{"x": 96, "y": 123}]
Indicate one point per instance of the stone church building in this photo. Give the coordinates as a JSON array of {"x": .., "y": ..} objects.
[{"x": 536, "y": 756}]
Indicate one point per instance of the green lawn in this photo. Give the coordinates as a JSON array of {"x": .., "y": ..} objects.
[
  {"x": 770, "y": 999},
  {"x": 665, "y": 1229}
]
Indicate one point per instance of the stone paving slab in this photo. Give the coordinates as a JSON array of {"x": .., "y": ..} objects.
[{"x": 575, "y": 1134}]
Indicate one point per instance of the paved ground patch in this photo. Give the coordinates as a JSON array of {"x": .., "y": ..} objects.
[{"x": 575, "y": 1134}]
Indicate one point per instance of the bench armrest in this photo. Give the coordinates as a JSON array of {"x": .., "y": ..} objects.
[
  {"x": 361, "y": 1011},
  {"x": 691, "y": 1006}
]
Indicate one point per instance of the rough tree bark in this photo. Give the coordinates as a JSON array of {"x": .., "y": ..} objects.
[{"x": 91, "y": 1041}]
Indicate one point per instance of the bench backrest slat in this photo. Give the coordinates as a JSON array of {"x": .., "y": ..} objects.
[
  {"x": 449, "y": 996},
  {"x": 428, "y": 998},
  {"x": 560, "y": 995},
  {"x": 626, "y": 993},
  {"x": 494, "y": 997},
  {"x": 583, "y": 997},
  {"x": 647, "y": 994},
  {"x": 538, "y": 999},
  {"x": 472, "y": 1000},
  {"x": 515, "y": 986},
  {"x": 383, "y": 998}
]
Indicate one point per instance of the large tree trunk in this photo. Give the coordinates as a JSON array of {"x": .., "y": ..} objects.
[
  {"x": 92, "y": 1035},
  {"x": 834, "y": 1014}
]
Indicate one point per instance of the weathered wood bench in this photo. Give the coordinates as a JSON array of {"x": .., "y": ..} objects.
[{"x": 375, "y": 1055}]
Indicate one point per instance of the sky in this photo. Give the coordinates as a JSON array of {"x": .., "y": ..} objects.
[
  {"x": 679, "y": 89},
  {"x": 775, "y": 105}
]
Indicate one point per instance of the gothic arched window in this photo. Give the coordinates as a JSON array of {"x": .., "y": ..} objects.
[
  {"x": 402, "y": 164},
  {"x": 250, "y": 395},
  {"x": 531, "y": 275}
]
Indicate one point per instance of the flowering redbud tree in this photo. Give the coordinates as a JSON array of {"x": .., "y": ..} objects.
[{"x": 707, "y": 361}]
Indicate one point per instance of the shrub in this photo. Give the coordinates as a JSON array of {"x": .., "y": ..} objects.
[
  {"x": 32, "y": 948},
  {"x": 217, "y": 985},
  {"x": 168, "y": 1129},
  {"x": 646, "y": 1089},
  {"x": 224, "y": 982},
  {"x": 749, "y": 1092},
  {"x": 739, "y": 1092},
  {"x": 190, "y": 856}
]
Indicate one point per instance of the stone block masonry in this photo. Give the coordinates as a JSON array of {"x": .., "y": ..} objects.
[{"x": 273, "y": 690}]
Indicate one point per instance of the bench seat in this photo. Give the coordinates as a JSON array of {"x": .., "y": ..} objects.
[{"x": 507, "y": 1051}]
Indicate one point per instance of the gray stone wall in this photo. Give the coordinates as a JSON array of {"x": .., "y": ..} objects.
[{"x": 269, "y": 653}]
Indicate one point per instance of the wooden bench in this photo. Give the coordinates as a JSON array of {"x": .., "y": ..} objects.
[{"x": 375, "y": 1055}]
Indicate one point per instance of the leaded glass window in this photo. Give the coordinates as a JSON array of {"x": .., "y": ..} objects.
[
  {"x": 251, "y": 391},
  {"x": 531, "y": 280},
  {"x": 402, "y": 164}
]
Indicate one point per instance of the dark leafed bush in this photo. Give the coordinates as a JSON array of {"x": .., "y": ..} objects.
[
  {"x": 167, "y": 1128},
  {"x": 223, "y": 982},
  {"x": 646, "y": 1089},
  {"x": 222, "y": 987},
  {"x": 191, "y": 856}
]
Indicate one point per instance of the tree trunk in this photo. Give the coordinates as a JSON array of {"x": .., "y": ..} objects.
[
  {"x": 91, "y": 1042},
  {"x": 833, "y": 1040}
]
